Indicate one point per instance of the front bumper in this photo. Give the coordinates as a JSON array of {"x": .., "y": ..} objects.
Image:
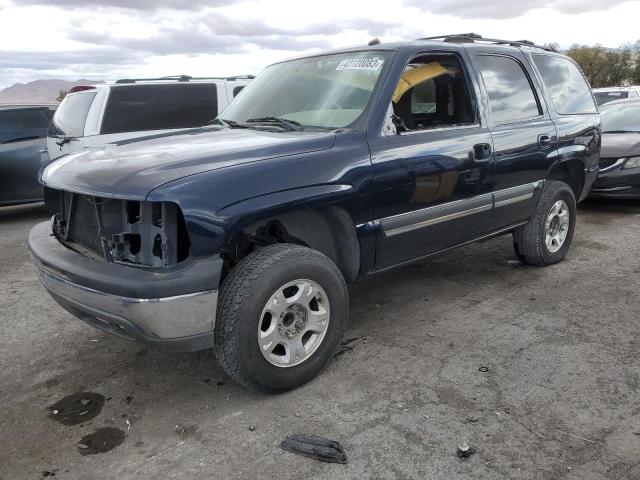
[{"x": 175, "y": 310}]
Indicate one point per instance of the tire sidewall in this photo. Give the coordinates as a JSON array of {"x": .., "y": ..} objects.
[
  {"x": 566, "y": 195},
  {"x": 266, "y": 375}
]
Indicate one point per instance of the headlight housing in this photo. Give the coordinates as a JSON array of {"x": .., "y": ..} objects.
[{"x": 632, "y": 162}]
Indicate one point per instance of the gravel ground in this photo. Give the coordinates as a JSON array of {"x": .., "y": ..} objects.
[{"x": 538, "y": 369}]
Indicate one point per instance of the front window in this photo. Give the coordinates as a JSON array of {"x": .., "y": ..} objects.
[
  {"x": 329, "y": 91},
  {"x": 621, "y": 118}
]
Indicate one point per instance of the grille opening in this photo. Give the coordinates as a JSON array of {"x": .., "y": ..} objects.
[
  {"x": 133, "y": 240},
  {"x": 157, "y": 246},
  {"x": 184, "y": 245},
  {"x": 606, "y": 162},
  {"x": 133, "y": 211}
]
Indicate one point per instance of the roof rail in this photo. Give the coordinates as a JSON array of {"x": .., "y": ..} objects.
[
  {"x": 474, "y": 37},
  {"x": 184, "y": 78}
]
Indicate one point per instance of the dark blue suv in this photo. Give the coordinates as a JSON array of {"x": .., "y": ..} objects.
[{"x": 242, "y": 236}]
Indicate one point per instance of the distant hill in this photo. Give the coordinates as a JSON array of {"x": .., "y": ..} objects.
[{"x": 39, "y": 91}]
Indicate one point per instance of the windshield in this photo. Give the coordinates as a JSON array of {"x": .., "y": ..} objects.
[
  {"x": 606, "y": 97},
  {"x": 70, "y": 116},
  {"x": 621, "y": 118},
  {"x": 329, "y": 92}
]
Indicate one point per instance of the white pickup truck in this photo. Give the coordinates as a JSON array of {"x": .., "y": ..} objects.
[{"x": 92, "y": 116}]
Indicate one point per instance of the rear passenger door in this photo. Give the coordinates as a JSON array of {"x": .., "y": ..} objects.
[{"x": 524, "y": 137}]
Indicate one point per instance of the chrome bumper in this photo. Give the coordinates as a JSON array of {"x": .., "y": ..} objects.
[{"x": 182, "y": 322}]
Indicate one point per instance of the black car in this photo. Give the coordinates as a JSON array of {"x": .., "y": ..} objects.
[
  {"x": 620, "y": 156},
  {"x": 23, "y": 135},
  {"x": 242, "y": 236}
]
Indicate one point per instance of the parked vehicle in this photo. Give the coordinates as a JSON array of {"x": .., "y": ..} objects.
[
  {"x": 23, "y": 132},
  {"x": 243, "y": 236},
  {"x": 619, "y": 174},
  {"x": 611, "y": 94},
  {"x": 92, "y": 116}
]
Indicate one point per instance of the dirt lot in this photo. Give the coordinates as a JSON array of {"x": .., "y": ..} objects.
[{"x": 559, "y": 398}]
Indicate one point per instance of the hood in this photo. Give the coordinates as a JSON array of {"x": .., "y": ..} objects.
[
  {"x": 618, "y": 145},
  {"x": 132, "y": 169}
]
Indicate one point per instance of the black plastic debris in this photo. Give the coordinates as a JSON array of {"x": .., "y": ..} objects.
[
  {"x": 315, "y": 447},
  {"x": 465, "y": 450}
]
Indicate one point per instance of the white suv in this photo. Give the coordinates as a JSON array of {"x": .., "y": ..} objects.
[{"x": 94, "y": 115}]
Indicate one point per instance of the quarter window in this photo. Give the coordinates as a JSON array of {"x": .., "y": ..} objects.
[
  {"x": 511, "y": 97},
  {"x": 134, "y": 108},
  {"x": 567, "y": 87},
  {"x": 71, "y": 115}
]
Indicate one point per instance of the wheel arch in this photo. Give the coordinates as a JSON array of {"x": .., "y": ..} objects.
[
  {"x": 570, "y": 171},
  {"x": 327, "y": 229}
]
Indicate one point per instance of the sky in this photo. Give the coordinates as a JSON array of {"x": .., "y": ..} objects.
[{"x": 110, "y": 39}]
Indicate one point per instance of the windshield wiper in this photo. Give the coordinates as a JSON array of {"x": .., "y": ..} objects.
[
  {"x": 228, "y": 123},
  {"x": 21, "y": 139},
  {"x": 64, "y": 140},
  {"x": 284, "y": 122}
]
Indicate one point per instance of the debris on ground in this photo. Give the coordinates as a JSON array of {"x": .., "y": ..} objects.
[
  {"x": 180, "y": 429},
  {"x": 252, "y": 428},
  {"x": 344, "y": 346},
  {"x": 77, "y": 408},
  {"x": 483, "y": 369},
  {"x": 185, "y": 430},
  {"x": 315, "y": 447},
  {"x": 100, "y": 441},
  {"x": 128, "y": 399},
  {"x": 465, "y": 450},
  {"x": 472, "y": 419}
]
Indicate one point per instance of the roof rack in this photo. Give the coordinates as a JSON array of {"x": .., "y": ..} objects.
[
  {"x": 474, "y": 37},
  {"x": 184, "y": 78}
]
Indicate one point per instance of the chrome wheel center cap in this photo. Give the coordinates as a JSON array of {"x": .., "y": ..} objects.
[{"x": 293, "y": 320}]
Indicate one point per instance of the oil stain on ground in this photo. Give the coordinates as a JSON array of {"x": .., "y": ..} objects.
[
  {"x": 100, "y": 441},
  {"x": 77, "y": 408}
]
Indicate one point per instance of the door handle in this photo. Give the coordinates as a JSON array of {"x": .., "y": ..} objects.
[
  {"x": 481, "y": 151},
  {"x": 544, "y": 140}
]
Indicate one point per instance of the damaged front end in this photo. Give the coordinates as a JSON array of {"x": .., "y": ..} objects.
[{"x": 136, "y": 233}]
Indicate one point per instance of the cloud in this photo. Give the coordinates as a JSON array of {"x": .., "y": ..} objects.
[
  {"x": 42, "y": 60},
  {"x": 211, "y": 32},
  {"x": 131, "y": 4},
  {"x": 499, "y": 9}
]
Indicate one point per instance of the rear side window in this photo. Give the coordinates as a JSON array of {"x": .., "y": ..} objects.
[
  {"x": 159, "y": 107},
  {"x": 511, "y": 97},
  {"x": 568, "y": 89},
  {"x": 71, "y": 115},
  {"x": 23, "y": 124}
]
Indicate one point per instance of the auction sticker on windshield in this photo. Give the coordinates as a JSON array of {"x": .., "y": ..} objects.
[{"x": 360, "y": 64}]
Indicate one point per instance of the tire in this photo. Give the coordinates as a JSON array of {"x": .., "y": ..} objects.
[
  {"x": 245, "y": 317},
  {"x": 530, "y": 241}
]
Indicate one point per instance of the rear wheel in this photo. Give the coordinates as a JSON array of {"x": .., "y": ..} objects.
[
  {"x": 546, "y": 238},
  {"x": 281, "y": 316}
]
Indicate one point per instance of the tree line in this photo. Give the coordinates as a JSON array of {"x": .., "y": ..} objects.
[{"x": 606, "y": 67}]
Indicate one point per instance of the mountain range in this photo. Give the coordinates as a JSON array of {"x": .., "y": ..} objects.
[{"x": 39, "y": 91}]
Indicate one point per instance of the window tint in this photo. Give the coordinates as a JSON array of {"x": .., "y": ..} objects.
[
  {"x": 432, "y": 92},
  {"x": 606, "y": 97},
  {"x": 510, "y": 95},
  {"x": 237, "y": 90},
  {"x": 70, "y": 116},
  {"x": 23, "y": 124},
  {"x": 567, "y": 87},
  {"x": 136, "y": 108}
]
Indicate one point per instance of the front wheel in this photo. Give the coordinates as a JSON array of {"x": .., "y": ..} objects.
[
  {"x": 546, "y": 238},
  {"x": 282, "y": 312}
]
